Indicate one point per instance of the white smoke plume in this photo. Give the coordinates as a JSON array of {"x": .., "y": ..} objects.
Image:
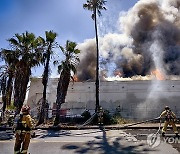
[{"x": 147, "y": 38}]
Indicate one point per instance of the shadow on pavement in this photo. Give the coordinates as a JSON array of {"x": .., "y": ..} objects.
[
  {"x": 103, "y": 145},
  {"x": 52, "y": 133},
  {"x": 6, "y": 135}
]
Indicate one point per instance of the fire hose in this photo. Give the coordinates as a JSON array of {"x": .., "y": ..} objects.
[
  {"x": 91, "y": 118},
  {"x": 126, "y": 126},
  {"x": 141, "y": 122},
  {"x": 88, "y": 121},
  {"x": 153, "y": 136}
]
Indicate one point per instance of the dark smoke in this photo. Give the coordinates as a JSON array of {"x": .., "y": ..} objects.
[
  {"x": 150, "y": 25},
  {"x": 87, "y": 68}
]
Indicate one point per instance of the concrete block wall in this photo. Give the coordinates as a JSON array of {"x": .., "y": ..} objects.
[{"x": 137, "y": 99}]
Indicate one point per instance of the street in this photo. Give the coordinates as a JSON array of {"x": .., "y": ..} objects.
[{"x": 88, "y": 141}]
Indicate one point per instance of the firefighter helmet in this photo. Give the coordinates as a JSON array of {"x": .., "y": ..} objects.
[
  {"x": 167, "y": 108},
  {"x": 25, "y": 108}
]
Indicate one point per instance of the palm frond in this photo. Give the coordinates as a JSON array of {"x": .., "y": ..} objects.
[
  {"x": 93, "y": 5},
  {"x": 62, "y": 49},
  {"x": 76, "y": 51},
  {"x": 50, "y": 36},
  {"x": 73, "y": 69},
  {"x": 19, "y": 37},
  {"x": 13, "y": 41}
]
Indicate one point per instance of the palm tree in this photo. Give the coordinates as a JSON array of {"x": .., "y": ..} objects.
[
  {"x": 3, "y": 85},
  {"x": 25, "y": 53},
  {"x": 65, "y": 69},
  {"x": 96, "y": 6},
  {"x": 6, "y": 84},
  {"x": 6, "y": 78},
  {"x": 7, "y": 70},
  {"x": 49, "y": 44}
]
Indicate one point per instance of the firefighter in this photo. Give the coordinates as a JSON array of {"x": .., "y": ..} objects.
[
  {"x": 23, "y": 125},
  {"x": 100, "y": 116},
  {"x": 170, "y": 119}
]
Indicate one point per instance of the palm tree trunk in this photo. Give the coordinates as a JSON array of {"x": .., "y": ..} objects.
[
  {"x": 59, "y": 99},
  {"x": 9, "y": 90},
  {"x": 97, "y": 63},
  {"x": 17, "y": 83},
  {"x": 42, "y": 116},
  {"x": 62, "y": 88},
  {"x": 4, "y": 106},
  {"x": 20, "y": 87},
  {"x": 3, "y": 86}
]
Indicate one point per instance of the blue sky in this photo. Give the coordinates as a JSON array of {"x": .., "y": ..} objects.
[{"x": 66, "y": 17}]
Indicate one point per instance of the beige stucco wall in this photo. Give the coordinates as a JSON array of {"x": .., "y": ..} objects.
[{"x": 137, "y": 99}]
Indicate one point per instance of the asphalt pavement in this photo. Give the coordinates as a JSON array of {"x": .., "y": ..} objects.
[{"x": 96, "y": 141}]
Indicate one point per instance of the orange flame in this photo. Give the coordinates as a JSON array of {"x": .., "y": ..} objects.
[
  {"x": 75, "y": 78},
  {"x": 117, "y": 73},
  {"x": 158, "y": 74}
]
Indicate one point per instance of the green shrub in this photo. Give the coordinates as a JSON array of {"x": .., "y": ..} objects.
[
  {"x": 107, "y": 118},
  {"x": 86, "y": 115}
]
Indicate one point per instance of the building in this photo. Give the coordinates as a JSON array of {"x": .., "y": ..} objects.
[{"x": 135, "y": 99}]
